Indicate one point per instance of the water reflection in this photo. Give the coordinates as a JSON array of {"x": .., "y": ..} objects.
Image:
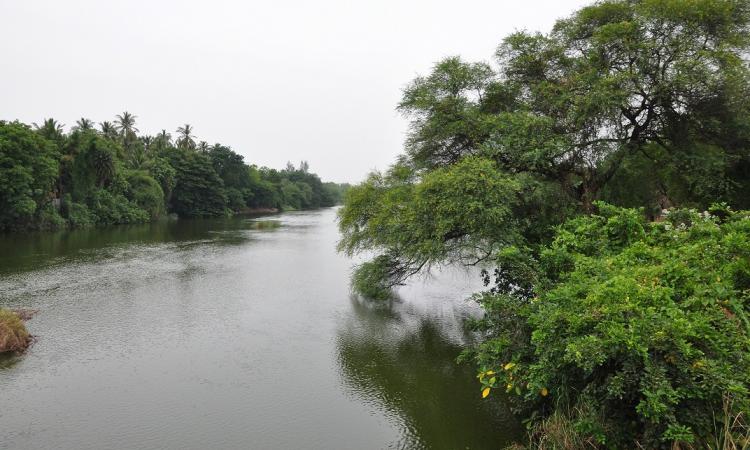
[
  {"x": 25, "y": 251},
  {"x": 404, "y": 362}
]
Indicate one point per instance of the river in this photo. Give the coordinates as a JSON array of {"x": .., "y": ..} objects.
[{"x": 233, "y": 333}]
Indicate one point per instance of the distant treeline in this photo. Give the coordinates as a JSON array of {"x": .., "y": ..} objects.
[{"x": 111, "y": 174}]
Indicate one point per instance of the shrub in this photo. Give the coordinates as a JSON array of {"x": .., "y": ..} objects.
[
  {"x": 146, "y": 193},
  {"x": 78, "y": 214},
  {"x": 49, "y": 219},
  {"x": 13, "y": 334},
  {"x": 647, "y": 325},
  {"x": 109, "y": 209}
]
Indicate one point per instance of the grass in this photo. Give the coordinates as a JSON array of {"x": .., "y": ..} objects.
[{"x": 13, "y": 334}]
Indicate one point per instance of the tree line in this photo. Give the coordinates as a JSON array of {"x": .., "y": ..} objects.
[
  {"x": 595, "y": 173},
  {"x": 111, "y": 174}
]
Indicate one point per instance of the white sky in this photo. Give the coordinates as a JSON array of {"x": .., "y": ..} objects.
[{"x": 275, "y": 80}]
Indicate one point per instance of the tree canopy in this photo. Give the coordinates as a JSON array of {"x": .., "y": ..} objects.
[{"x": 52, "y": 179}]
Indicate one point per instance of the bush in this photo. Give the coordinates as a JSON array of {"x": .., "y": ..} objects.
[
  {"x": 13, "y": 334},
  {"x": 645, "y": 325},
  {"x": 235, "y": 199},
  {"x": 49, "y": 219},
  {"x": 109, "y": 209},
  {"x": 145, "y": 192}
]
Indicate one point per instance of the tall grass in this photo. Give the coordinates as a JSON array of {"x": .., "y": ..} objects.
[{"x": 13, "y": 334}]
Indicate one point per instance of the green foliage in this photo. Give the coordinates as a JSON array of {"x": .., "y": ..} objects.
[
  {"x": 108, "y": 208},
  {"x": 50, "y": 179},
  {"x": 370, "y": 278},
  {"x": 646, "y": 323},
  {"x": 145, "y": 192},
  {"x": 94, "y": 163},
  {"x": 164, "y": 174},
  {"x": 28, "y": 170},
  {"x": 77, "y": 214},
  {"x": 610, "y": 330},
  {"x": 198, "y": 189},
  {"x": 463, "y": 213}
]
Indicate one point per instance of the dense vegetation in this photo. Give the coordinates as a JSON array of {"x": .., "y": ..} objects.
[
  {"x": 610, "y": 327},
  {"x": 113, "y": 175}
]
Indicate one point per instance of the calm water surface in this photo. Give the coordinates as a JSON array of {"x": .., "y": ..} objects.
[{"x": 236, "y": 333}]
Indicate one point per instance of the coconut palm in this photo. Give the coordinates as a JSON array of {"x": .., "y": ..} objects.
[
  {"x": 50, "y": 129},
  {"x": 108, "y": 129},
  {"x": 186, "y": 139},
  {"x": 102, "y": 160},
  {"x": 147, "y": 141},
  {"x": 162, "y": 141},
  {"x": 125, "y": 123},
  {"x": 84, "y": 124},
  {"x": 203, "y": 146}
]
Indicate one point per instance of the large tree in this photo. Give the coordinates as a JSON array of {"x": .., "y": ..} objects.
[
  {"x": 28, "y": 170},
  {"x": 642, "y": 103}
]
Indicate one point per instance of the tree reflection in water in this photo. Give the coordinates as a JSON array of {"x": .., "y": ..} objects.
[{"x": 403, "y": 361}]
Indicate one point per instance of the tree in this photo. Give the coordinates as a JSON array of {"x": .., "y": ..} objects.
[
  {"x": 186, "y": 139},
  {"x": 618, "y": 331},
  {"x": 198, "y": 189},
  {"x": 125, "y": 124},
  {"x": 50, "y": 129},
  {"x": 84, "y": 124},
  {"x": 617, "y": 86},
  {"x": 94, "y": 165},
  {"x": 162, "y": 141},
  {"x": 28, "y": 170},
  {"x": 109, "y": 130}
]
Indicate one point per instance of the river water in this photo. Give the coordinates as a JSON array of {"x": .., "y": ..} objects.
[{"x": 236, "y": 333}]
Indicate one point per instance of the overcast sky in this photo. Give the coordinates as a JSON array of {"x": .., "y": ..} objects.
[{"x": 276, "y": 80}]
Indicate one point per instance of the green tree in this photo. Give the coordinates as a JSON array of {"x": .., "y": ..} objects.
[
  {"x": 198, "y": 191},
  {"x": 28, "y": 170},
  {"x": 186, "y": 139},
  {"x": 641, "y": 101},
  {"x": 108, "y": 130},
  {"x": 51, "y": 130},
  {"x": 84, "y": 124}
]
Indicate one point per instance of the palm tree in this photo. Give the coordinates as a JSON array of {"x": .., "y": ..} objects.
[
  {"x": 147, "y": 141},
  {"x": 203, "y": 146},
  {"x": 84, "y": 124},
  {"x": 164, "y": 136},
  {"x": 108, "y": 129},
  {"x": 186, "y": 139},
  {"x": 50, "y": 129},
  {"x": 125, "y": 123},
  {"x": 103, "y": 162},
  {"x": 162, "y": 141}
]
